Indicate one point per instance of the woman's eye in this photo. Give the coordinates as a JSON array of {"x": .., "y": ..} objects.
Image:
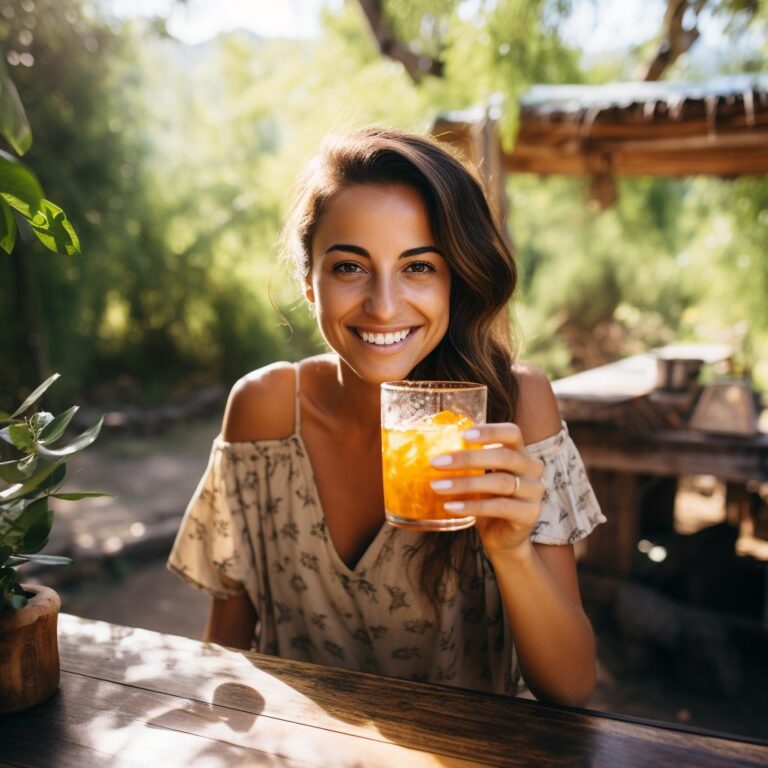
[
  {"x": 420, "y": 267},
  {"x": 346, "y": 268}
]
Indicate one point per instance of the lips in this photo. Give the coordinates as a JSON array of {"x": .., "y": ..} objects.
[{"x": 388, "y": 339}]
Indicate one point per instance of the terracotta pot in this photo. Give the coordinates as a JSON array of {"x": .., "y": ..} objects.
[{"x": 29, "y": 650}]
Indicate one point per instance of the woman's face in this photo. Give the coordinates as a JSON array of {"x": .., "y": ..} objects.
[{"x": 379, "y": 284}]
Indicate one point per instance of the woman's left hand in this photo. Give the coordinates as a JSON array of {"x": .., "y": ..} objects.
[{"x": 511, "y": 485}]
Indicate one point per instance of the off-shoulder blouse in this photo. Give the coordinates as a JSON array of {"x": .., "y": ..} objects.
[{"x": 256, "y": 518}]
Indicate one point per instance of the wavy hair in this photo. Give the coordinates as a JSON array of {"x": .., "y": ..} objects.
[{"x": 477, "y": 345}]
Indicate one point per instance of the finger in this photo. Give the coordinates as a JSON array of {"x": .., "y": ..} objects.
[
  {"x": 492, "y": 484},
  {"x": 517, "y": 511},
  {"x": 505, "y": 432},
  {"x": 502, "y": 458}
]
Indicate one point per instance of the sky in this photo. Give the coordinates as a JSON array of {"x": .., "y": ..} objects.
[{"x": 596, "y": 26}]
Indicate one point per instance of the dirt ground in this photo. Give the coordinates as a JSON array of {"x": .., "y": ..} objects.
[{"x": 657, "y": 658}]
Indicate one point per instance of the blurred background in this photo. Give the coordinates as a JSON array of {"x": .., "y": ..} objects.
[{"x": 171, "y": 132}]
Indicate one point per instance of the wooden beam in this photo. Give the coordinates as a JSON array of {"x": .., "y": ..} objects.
[
  {"x": 722, "y": 138},
  {"x": 720, "y": 159},
  {"x": 541, "y": 130}
]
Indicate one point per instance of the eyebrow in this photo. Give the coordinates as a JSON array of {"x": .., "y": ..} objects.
[{"x": 358, "y": 251}]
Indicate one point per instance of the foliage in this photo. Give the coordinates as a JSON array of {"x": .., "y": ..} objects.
[
  {"x": 31, "y": 476},
  {"x": 176, "y": 162},
  {"x": 20, "y": 192},
  {"x": 489, "y": 49},
  {"x": 24, "y": 209}
]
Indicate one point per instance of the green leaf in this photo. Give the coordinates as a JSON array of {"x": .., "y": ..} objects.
[
  {"x": 55, "y": 478},
  {"x": 54, "y": 230},
  {"x": 80, "y": 495},
  {"x": 4, "y": 416},
  {"x": 20, "y": 490},
  {"x": 14, "y": 125},
  {"x": 37, "y": 520},
  {"x": 5, "y": 553},
  {"x": 9, "y": 471},
  {"x": 8, "y": 578},
  {"x": 35, "y": 395},
  {"x": 10, "y": 532},
  {"x": 19, "y": 187},
  {"x": 39, "y": 421},
  {"x": 28, "y": 465},
  {"x": 20, "y": 436},
  {"x": 48, "y": 559},
  {"x": 83, "y": 441},
  {"x": 55, "y": 428},
  {"x": 7, "y": 230}
]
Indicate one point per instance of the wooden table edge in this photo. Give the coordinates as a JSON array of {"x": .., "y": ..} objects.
[{"x": 453, "y": 690}]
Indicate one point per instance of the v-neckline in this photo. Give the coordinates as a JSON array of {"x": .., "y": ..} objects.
[{"x": 318, "y": 505}]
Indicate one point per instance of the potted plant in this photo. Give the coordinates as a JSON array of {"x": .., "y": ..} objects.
[
  {"x": 31, "y": 467},
  {"x": 29, "y": 658}
]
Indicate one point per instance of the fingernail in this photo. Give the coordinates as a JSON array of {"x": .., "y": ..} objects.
[
  {"x": 441, "y": 485},
  {"x": 471, "y": 434},
  {"x": 442, "y": 461},
  {"x": 453, "y": 506}
]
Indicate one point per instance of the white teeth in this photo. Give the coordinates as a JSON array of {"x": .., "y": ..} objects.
[{"x": 384, "y": 339}]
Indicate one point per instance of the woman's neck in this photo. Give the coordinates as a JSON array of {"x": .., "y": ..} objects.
[{"x": 358, "y": 402}]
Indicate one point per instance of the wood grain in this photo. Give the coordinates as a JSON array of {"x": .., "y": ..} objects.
[
  {"x": 29, "y": 657},
  {"x": 670, "y": 453},
  {"x": 128, "y": 681},
  {"x": 129, "y": 722}
]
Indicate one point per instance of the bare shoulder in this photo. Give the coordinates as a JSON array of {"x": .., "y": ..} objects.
[
  {"x": 261, "y": 405},
  {"x": 538, "y": 415}
]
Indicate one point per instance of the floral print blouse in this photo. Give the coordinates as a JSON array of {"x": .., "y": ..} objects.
[{"x": 256, "y": 518}]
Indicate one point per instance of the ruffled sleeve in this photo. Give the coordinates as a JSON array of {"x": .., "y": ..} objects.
[
  {"x": 569, "y": 509},
  {"x": 211, "y": 541}
]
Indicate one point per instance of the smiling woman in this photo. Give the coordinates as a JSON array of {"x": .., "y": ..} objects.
[
  {"x": 397, "y": 251},
  {"x": 382, "y": 302}
]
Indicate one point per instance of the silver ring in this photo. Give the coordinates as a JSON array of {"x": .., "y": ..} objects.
[{"x": 517, "y": 485}]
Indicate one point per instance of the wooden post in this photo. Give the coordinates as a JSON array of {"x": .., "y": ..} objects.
[
  {"x": 737, "y": 503},
  {"x": 611, "y": 547}
]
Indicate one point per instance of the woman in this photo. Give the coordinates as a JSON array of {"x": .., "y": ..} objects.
[{"x": 409, "y": 277}]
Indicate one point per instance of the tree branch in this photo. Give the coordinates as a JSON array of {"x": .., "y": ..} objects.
[
  {"x": 676, "y": 40},
  {"x": 390, "y": 45}
]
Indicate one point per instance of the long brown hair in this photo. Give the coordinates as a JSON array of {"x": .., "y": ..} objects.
[{"x": 477, "y": 346}]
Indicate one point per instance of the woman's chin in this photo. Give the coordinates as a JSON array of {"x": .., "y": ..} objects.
[{"x": 375, "y": 374}]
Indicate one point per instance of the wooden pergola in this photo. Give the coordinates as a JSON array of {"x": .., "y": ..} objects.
[{"x": 718, "y": 128}]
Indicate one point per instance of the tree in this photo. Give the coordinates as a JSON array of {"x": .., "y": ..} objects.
[
  {"x": 23, "y": 207},
  {"x": 680, "y": 29},
  {"x": 484, "y": 48}
]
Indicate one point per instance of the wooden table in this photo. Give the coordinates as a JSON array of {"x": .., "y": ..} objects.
[
  {"x": 130, "y": 697},
  {"x": 633, "y": 437}
]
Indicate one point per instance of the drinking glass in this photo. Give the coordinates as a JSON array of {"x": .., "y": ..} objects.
[{"x": 421, "y": 420}]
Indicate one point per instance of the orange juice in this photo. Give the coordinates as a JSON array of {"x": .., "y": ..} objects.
[{"x": 406, "y": 453}]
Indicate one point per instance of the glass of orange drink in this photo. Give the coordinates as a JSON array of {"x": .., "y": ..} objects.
[{"x": 421, "y": 420}]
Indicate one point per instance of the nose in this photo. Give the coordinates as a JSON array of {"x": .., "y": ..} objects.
[{"x": 383, "y": 299}]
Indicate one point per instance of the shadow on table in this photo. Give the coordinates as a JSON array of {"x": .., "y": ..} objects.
[{"x": 446, "y": 721}]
